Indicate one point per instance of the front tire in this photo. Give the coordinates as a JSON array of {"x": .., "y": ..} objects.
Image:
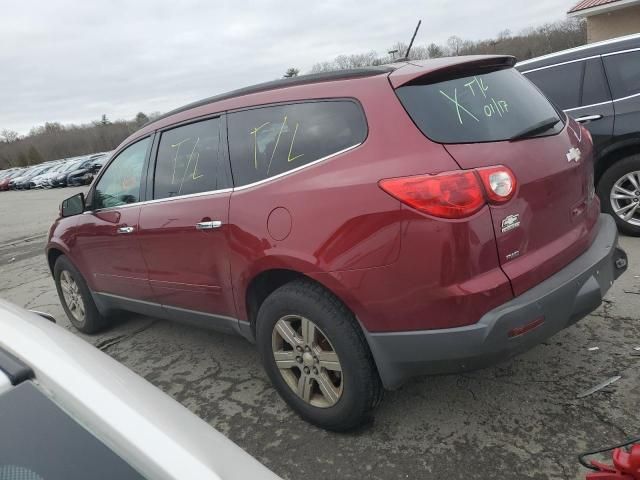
[
  {"x": 316, "y": 356},
  {"x": 619, "y": 192},
  {"x": 76, "y": 298}
]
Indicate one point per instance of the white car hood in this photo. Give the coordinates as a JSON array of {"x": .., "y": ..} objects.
[{"x": 148, "y": 429}]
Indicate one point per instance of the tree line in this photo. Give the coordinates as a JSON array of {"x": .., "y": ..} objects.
[
  {"x": 529, "y": 43},
  {"x": 53, "y": 140}
]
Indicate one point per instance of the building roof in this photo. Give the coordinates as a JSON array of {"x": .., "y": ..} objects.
[{"x": 586, "y": 8}]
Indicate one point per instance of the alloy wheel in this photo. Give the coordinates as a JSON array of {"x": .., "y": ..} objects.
[
  {"x": 72, "y": 296},
  {"x": 625, "y": 198},
  {"x": 307, "y": 361}
]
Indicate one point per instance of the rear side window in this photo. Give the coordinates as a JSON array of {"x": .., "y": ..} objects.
[
  {"x": 560, "y": 83},
  {"x": 190, "y": 161},
  {"x": 623, "y": 71},
  {"x": 487, "y": 107},
  {"x": 268, "y": 141}
]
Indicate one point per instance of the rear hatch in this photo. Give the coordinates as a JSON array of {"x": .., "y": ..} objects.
[{"x": 485, "y": 113}]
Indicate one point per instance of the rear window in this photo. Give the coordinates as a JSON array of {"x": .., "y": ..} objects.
[{"x": 487, "y": 107}]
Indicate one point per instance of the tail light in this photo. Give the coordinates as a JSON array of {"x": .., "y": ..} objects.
[
  {"x": 499, "y": 183},
  {"x": 453, "y": 194}
]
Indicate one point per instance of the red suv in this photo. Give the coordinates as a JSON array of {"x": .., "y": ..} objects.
[{"x": 361, "y": 227}]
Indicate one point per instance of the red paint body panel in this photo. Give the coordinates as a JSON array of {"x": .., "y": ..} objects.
[
  {"x": 419, "y": 68},
  {"x": 111, "y": 262},
  {"x": 188, "y": 268},
  {"x": 447, "y": 276},
  {"x": 395, "y": 268},
  {"x": 556, "y": 220}
]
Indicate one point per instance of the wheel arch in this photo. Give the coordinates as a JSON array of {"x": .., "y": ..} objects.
[
  {"x": 53, "y": 253},
  {"x": 264, "y": 284},
  {"x": 268, "y": 280},
  {"x": 614, "y": 153}
]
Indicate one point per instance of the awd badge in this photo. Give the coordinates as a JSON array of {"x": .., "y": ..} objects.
[{"x": 510, "y": 222}]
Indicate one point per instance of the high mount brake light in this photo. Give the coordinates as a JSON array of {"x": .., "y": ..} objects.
[{"x": 453, "y": 195}]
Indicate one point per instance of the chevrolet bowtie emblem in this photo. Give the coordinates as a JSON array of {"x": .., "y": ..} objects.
[{"x": 574, "y": 155}]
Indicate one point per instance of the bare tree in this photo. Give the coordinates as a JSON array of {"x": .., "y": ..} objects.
[
  {"x": 141, "y": 119},
  {"x": 434, "y": 51},
  {"x": 291, "y": 72},
  {"x": 454, "y": 43},
  {"x": 9, "y": 136}
]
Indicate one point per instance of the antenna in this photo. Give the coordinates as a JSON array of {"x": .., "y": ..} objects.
[{"x": 406, "y": 55}]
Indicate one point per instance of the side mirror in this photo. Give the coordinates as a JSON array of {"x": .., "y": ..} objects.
[{"x": 72, "y": 205}]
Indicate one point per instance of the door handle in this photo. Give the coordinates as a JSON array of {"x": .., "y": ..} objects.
[
  {"x": 208, "y": 225},
  {"x": 588, "y": 118},
  {"x": 125, "y": 229}
]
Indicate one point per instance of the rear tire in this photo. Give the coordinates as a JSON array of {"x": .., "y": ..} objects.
[
  {"x": 76, "y": 298},
  {"x": 341, "y": 384},
  {"x": 620, "y": 177}
]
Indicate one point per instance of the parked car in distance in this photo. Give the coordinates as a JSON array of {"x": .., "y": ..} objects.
[
  {"x": 6, "y": 181},
  {"x": 599, "y": 85},
  {"x": 42, "y": 179},
  {"x": 70, "y": 411},
  {"x": 82, "y": 174},
  {"x": 361, "y": 227},
  {"x": 23, "y": 181},
  {"x": 60, "y": 180}
]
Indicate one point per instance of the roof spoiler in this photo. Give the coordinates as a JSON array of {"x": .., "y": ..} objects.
[{"x": 448, "y": 68}]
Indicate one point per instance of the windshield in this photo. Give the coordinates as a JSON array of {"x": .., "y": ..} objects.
[{"x": 486, "y": 107}]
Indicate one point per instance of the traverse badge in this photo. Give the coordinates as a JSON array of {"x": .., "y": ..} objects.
[{"x": 511, "y": 222}]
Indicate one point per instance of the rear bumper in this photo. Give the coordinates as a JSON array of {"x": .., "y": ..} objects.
[{"x": 561, "y": 300}]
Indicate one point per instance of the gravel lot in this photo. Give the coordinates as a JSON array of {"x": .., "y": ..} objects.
[{"x": 520, "y": 419}]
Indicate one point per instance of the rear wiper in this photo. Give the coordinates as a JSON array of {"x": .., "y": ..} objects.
[{"x": 539, "y": 127}]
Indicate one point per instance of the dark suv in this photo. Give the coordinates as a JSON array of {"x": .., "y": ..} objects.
[
  {"x": 599, "y": 85},
  {"x": 361, "y": 227}
]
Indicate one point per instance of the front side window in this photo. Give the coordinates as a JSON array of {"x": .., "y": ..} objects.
[
  {"x": 189, "y": 160},
  {"x": 120, "y": 183},
  {"x": 267, "y": 141},
  {"x": 623, "y": 71},
  {"x": 485, "y": 107},
  {"x": 560, "y": 83}
]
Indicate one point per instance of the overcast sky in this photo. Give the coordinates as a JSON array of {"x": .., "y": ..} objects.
[{"x": 72, "y": 61}]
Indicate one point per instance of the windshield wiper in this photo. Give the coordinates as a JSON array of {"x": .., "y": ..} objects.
[{"x": 539, "y": 127}]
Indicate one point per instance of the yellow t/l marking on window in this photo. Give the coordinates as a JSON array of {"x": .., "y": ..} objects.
[
  {"x": 195, "y": 168},
  {"x": 254, "y": 132},
  {"x": 184, "y": 175},
  {"x": 291, "y": 147},
  {"x": 175, "y": 159},
  {"x": 284, "y": 122}
]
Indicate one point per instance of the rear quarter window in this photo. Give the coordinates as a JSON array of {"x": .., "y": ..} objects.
[
  {"x": 268, "y": 141},
  {"x": 561, "y": 83},
  {"x": 623, "y": 70},
  {"x": 486, "y": 107}
]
